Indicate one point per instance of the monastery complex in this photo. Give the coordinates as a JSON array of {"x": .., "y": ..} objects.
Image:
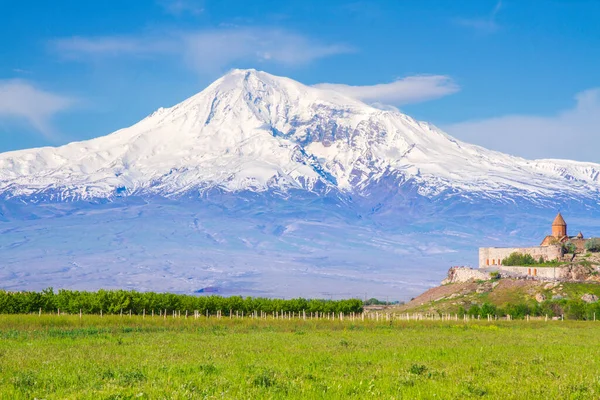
[{"x": 550, "y": 249}]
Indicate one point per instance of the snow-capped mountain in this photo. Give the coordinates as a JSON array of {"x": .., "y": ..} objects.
[
  {"x": 253, "y": 131},
  {"x": 261, "y": 185}
]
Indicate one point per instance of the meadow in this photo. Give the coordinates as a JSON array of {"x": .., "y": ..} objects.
[{"x": 123, "y": 357}]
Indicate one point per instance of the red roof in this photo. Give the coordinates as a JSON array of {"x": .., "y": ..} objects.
[{"x": 559, "y": 221}]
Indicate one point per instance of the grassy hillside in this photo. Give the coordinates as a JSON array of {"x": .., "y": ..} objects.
[
  {"x": 115, "y": 357},
  {"x": 501, "y": 293}
]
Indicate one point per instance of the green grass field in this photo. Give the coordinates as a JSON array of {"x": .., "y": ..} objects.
[{"x": 53, "y": 357}]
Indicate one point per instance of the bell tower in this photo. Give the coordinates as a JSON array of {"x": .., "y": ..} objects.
[{"x": 559, "y": 227}]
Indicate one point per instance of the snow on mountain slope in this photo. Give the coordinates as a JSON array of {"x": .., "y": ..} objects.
[{"x": 251, "y": 130}]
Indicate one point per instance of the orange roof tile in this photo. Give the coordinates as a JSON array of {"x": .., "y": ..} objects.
[{"x": 559, "y": 221}]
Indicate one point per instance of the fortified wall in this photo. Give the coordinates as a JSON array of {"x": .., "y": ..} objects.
[
  {"x": 493, "y": 256},
  {"x": 543, "y": 273}
]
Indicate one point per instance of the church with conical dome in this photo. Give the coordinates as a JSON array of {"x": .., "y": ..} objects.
[
  {"x": 560, "y": 235},
  {"x": 552, "y": 247}
]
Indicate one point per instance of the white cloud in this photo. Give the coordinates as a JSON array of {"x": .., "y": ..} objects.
[
  {"x": 483, "y": 25},
  {"x": 570, "y": 134},
  {"x": 21, "y": 100},
  {"x": 181, "y": 7},
  {"x": 412, "y": 89},
  {"x": 206, "y": 50},
  {"x": 110, "y": 46}
]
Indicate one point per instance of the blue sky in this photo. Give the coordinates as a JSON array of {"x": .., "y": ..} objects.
[{"x": 515, "y": 76}]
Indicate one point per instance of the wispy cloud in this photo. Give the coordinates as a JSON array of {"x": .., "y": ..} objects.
[
  {"x": 78, "y": 47},
  {"x": 571, "y": 134},
  {"x": 412, "y": 89},
  {"x": 482, "y": 24},
  {"x": 182, "y": 7},
  {"x": 206, "y": 50},
  {"x": 21, "y": 100}
]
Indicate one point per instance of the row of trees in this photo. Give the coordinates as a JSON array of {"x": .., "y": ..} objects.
[
  {"x": 117, "y": 301},
  {"x": 570, "y": 309}
]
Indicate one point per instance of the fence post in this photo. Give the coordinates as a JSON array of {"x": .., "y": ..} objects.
[{"x": 41, "y": 312}]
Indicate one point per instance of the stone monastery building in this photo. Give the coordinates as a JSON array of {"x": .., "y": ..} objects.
[{"x": 551, "y": 247}]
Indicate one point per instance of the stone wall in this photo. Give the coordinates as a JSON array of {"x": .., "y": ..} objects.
[
  {"x": 542, "y": 273},
  {"x": 465, "y": 274},
  {"x": 493, "y": 256},
  {"x": 572, "y": 273}
]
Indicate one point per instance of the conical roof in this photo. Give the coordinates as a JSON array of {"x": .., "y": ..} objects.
[{"x": 559, "y": 221}]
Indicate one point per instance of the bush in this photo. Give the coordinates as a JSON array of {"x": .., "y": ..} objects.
[
  {"x": 518, "y": 259},
  {"x": 569, "y": 248},
  {"x": 593, "y": 245},
  {"x": 474, "y": 310},
  {"x": 517, "y": 311},
  {"x": 487, "y": 309},
  {"x": 576, "y": 309}
]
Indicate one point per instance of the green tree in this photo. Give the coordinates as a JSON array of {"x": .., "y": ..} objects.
[
  {"x": 593, "y": 245},
  {"x": 518, "y": 259},
  {"x": 569, "y": 247}
]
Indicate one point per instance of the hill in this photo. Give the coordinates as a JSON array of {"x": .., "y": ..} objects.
[{"x": 503, "y": 292}]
